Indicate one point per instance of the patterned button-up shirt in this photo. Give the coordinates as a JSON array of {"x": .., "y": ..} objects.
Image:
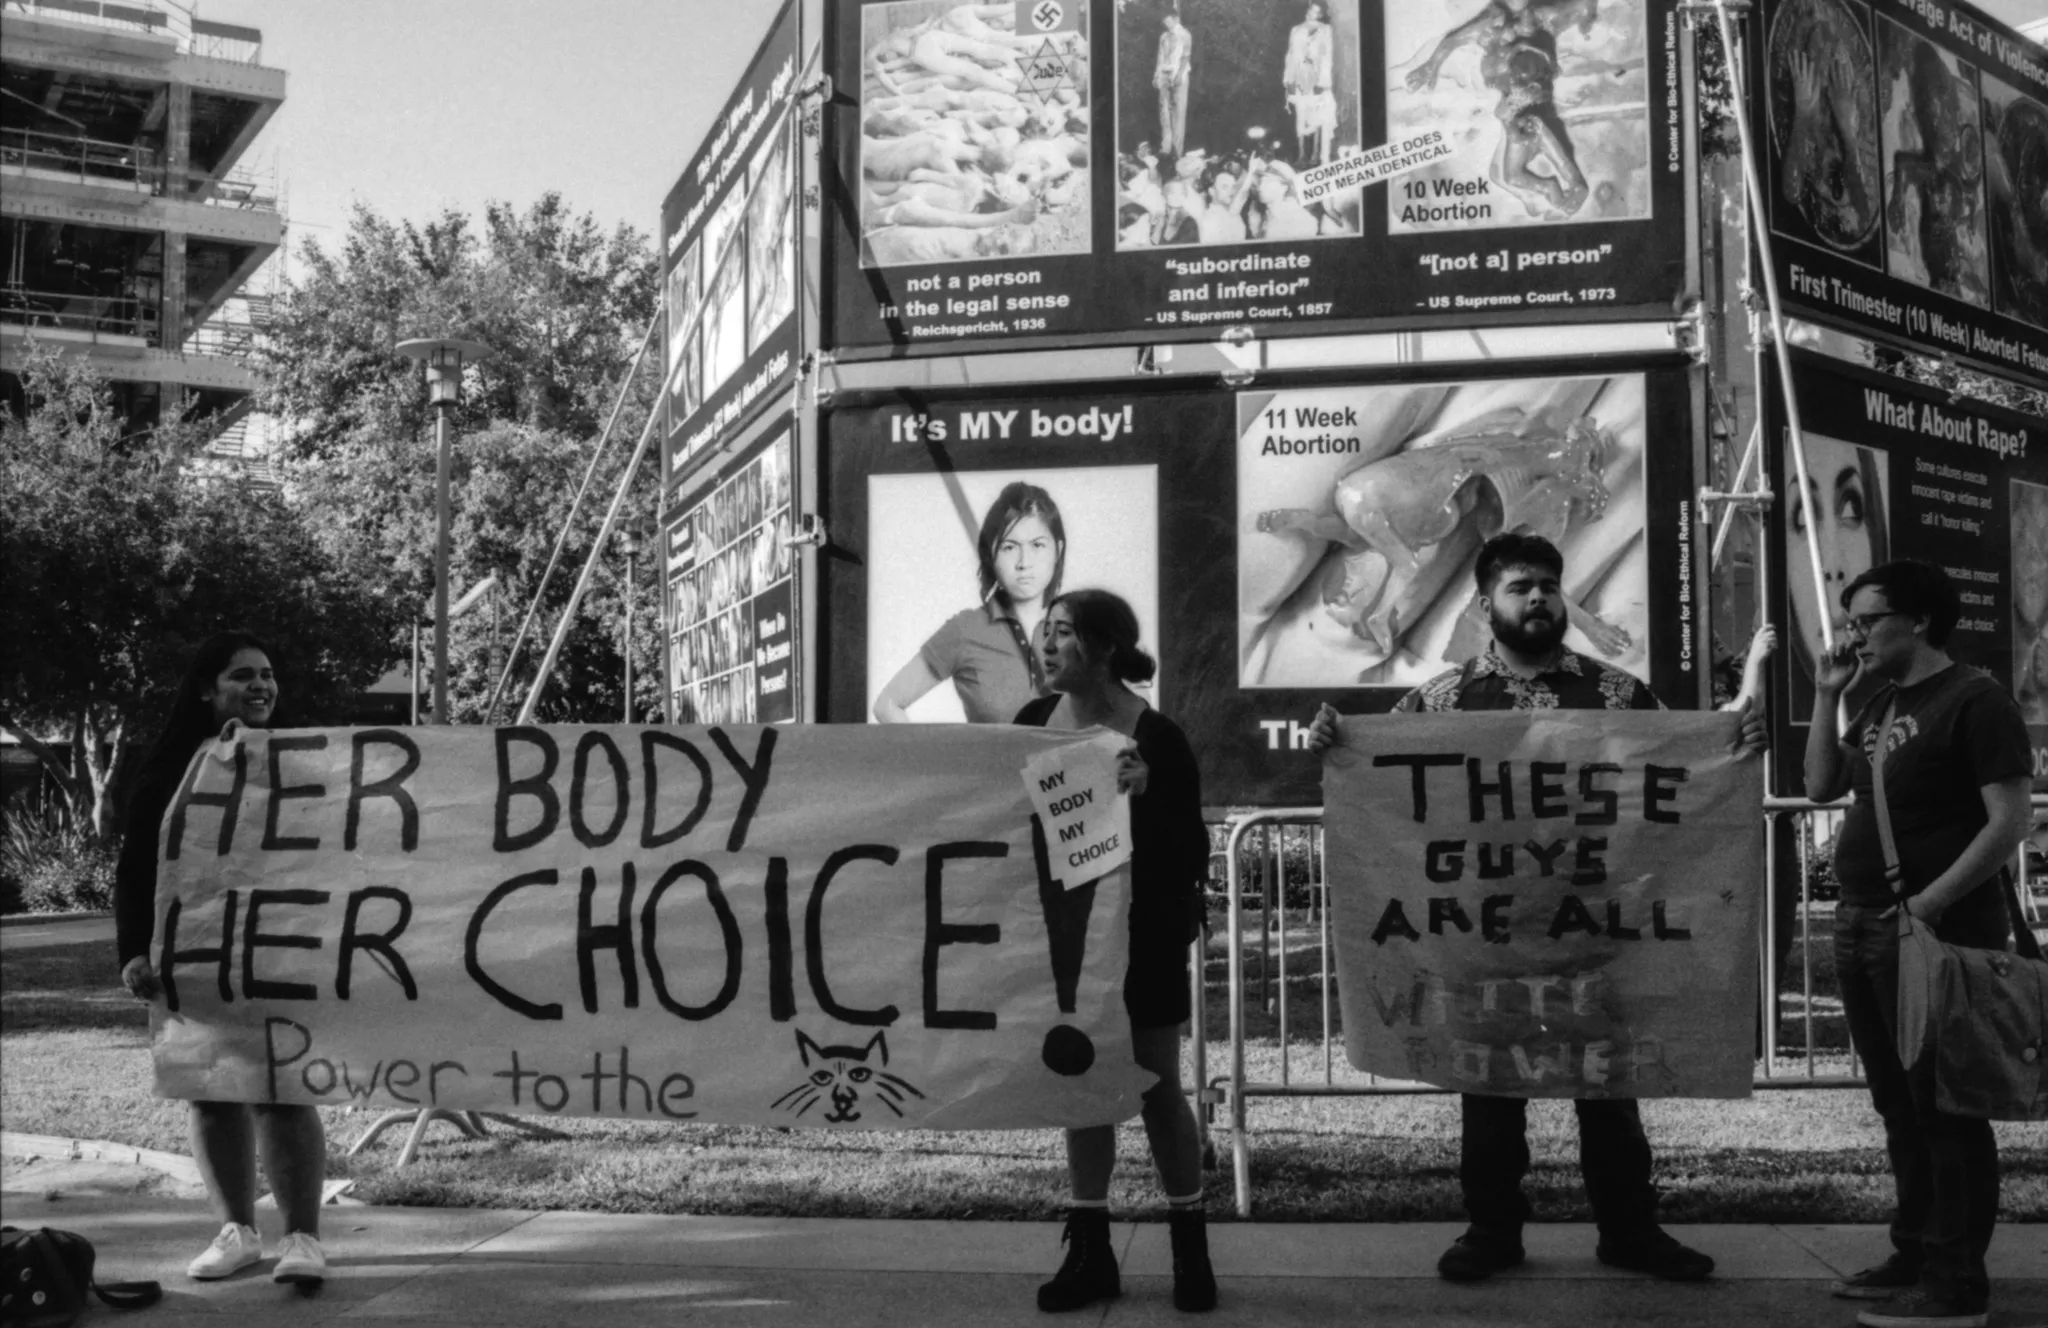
[{"x": 1570, "y": 681}]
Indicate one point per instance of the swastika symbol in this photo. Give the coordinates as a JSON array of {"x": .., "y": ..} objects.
[{"x": 1047, "y": 16}]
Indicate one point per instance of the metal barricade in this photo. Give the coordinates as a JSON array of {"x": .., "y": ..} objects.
[{"x": 1231, "y": 1090}]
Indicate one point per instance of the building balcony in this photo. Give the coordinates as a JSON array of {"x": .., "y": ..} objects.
[
  {"x": 68, "y": 316},
  {"x": 125, "y": 356},
  {"x": 191, "y": 34},
  {"x": 132, "y": 167},
  {"x": 86, "y": 62}
]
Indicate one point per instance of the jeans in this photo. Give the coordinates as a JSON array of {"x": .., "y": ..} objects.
[
  {"x": 1945, "y": 1168},
  {"x": 1173, "y": 119},
  {"x": 1614, "y": 1158}
]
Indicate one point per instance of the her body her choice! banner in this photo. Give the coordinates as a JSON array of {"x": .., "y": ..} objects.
[
  {"x": 1281, "y": 547},
  {"x": 824, "y": 927},
  {"x": 1153, "y": 170},
  {"x": 1556, "y": 904},
  {"x": 729, "y": 249},
  {"x": 1899, "y": 470},
  {"x": 1906, "y": 148}
]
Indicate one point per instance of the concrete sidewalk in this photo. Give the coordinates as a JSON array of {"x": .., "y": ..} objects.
[
  {"x": 390, "y": 1267},
  {"x": 398, "y": 1266}
]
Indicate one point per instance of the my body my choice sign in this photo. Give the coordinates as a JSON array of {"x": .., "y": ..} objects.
[
  {"x": 812, "y": 926},
  {"x": 1548, "y": 903}
]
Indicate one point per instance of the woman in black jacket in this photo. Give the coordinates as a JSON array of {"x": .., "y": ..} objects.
[
  {"x": 1091, "y": 654},
  {"x": 230, "y": 681}
]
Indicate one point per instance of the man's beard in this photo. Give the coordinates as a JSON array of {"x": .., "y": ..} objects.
[{"x": 1539, "y": 637}]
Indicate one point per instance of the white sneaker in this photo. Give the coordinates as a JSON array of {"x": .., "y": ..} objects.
[
  {"x": 235, "y": 1248},
  {"x": 300, "y": 1260}
]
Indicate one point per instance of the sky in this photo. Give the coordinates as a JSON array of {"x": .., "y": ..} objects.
[{"x": 413, "y": 105}]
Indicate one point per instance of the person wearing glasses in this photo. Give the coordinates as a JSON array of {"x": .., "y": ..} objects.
[
  {"x": 1527, "y": 666},
  {"x": 1957, "y": 773}
]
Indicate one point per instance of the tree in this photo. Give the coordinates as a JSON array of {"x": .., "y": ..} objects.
[
  {"x": 510, "y": 490},
  {"x": 122, "y": 562},
  {"x": 561, "y": 307}
]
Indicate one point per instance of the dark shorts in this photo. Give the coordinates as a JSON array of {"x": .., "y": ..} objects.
[{"x": 1156, "y": 983}]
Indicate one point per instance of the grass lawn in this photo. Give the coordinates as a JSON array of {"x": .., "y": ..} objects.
[{"x": 74, "y": 1062}]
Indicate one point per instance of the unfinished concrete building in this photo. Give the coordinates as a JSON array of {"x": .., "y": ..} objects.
[{"x": 130, "y": 233}]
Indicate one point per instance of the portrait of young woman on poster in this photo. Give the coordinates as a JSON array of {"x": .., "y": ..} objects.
[
  {"x": 963, "y": 564},
  {"x": 990, "y": 652},
  {"x": 1847, "y": 484}
]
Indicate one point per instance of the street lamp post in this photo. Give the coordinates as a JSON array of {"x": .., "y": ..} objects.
[
  {"x": 443, "y": 357},
  {"x": 629, "y": 545}
]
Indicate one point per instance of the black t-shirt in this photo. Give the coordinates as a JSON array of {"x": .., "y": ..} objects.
[{"x": 1954, "y": 733}]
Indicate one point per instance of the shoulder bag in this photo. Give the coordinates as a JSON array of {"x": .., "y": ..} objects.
[
  {"x": 45, "y": 1273},
  {"x": 1981, "y": 1015}
]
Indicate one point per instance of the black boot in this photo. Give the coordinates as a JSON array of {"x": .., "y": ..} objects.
[
  {"x": 1194, "y": 1281},
  {"x": 1088, "y": 1273}
]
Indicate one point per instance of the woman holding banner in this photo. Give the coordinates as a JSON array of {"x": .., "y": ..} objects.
[
  {"x": 230, "y": 681},
  {"x": 989, "y": 651},
  {"x": 1091, "y": 655}
]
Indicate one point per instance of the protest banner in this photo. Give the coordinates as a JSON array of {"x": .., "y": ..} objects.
[
  {"x": 826, "y": 927},
  {"x": 1547, "y": 903}
]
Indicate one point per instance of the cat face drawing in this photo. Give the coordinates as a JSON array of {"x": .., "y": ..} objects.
[{"x": 847, "y": 1076}]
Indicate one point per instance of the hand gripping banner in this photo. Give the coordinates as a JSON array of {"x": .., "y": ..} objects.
[
  {"x": 837, "y": 927},
  {"x": 1547, "y": 904}
]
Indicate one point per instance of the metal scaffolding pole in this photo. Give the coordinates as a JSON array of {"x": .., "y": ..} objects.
[
  {"x": 569, "y": 522},
  {"x": 604, "y": 532},
  {"x": 1754, "y": 212}
]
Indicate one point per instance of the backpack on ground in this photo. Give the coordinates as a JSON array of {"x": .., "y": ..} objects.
[{"x": 45, "y": 1273}]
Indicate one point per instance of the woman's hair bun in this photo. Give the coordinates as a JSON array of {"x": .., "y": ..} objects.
[{"x": 1133, "y": 664}]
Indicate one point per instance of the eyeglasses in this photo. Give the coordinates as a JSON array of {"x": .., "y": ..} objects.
[{"x": 1860, "y": 624}]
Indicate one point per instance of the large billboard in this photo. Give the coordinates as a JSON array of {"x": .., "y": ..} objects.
[
  {"x": 1905, "y": 154},
  {"x": 730, "y": 232},
  {"x": 1281, "y": 547},
  {"x": 1016, "y": 175},
  {"x": 1897, "y": 470},
  {"x": 731, "y": 594}
]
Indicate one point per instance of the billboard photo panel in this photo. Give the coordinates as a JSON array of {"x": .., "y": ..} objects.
[
  {"x": 2030, "y": 599},
  {"x": 729, "y": 238},
  {"x": 1548, "y": 118},
  {"x": 1849, "y": 487},
  {"x": 1221, "y": 107},
  {"x": 2016, "y": 176},
  {"x": 974, "y": 134},
  {"x": 732, "y": 595},
  {"x": 1905, "y": 168},
  {"x": 1934, "y": 224},
  {"x": 1164, "y": 170},
  {"x": 1281, "y": 546},
  {"x": 927, "y": 610},
  {"x": 1355, "y": 563},
  {"x": 1898, "y": 469}
]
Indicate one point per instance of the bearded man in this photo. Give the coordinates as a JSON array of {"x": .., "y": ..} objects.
[{"x": 1528, "y": 667}]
